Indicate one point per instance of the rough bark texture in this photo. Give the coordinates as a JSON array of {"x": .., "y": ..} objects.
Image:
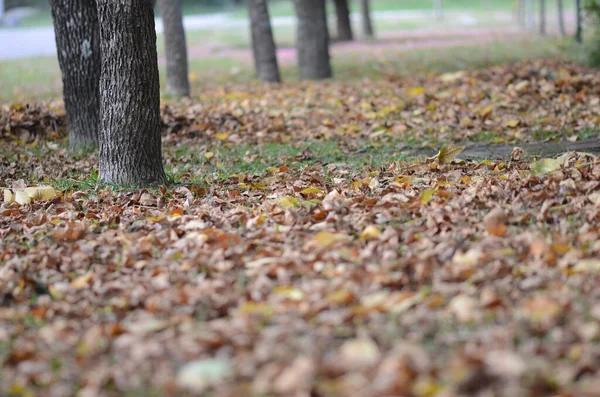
[
  {"x": 367, "y": 23},
  {"x": 175, "y": 48},
  {"x": 78, "y": 47},
  {"x": 130, "y": 125},
  {"x": 542, "y": 17},
  {"x": 579, "y": 31},
  {"x": 342, "y": 16},
  {"x": 312, "y": 40},
  {"x": 263, "y": 44},
  {"x": 561, "y": 17}
]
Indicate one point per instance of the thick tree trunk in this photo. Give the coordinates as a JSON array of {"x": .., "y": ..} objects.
[
  {"x": 78, "y": 44},
  {"x": 312, "y": 40},
  {"x": 579, "y": 31},
  {"x": 130, "y": 126},
  {"x": 342, "y": 16},
  {"x": 561, "y": 17},
  {"x": 542, "y": 17},
  {"x": 367, "y": 24},
  {"x": 175, "y": 48},
  {"x": 263, "y": 44}
]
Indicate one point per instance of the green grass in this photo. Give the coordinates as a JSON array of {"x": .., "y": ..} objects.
[
  {"x": 38, "y": 79},
  {"x": 230, "y": 160}
]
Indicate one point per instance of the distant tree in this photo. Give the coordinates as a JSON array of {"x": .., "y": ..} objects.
[
  {"x": 263, "y": 44},
  {"x": 542, "y": 17},
  {"x": 438, "y": 9},
  {"x": 130, "y": 125},
  {"x": 175, "y": 48},
  {"x": 312, "y": 40},
  {"x": 367, "y": 24},
  {"x": 529, "y": 20},
  {"x": 561, "y": 17},
  {"x": 342, "y": 16},
  {"x": 78, "y": 44},
  {"x": 578, "y": 31}
]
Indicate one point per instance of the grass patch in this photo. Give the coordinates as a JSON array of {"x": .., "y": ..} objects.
[{"x": 230, "y": 160}]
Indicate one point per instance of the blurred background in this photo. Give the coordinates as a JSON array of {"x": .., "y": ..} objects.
[{"x": 410, "y": 35}]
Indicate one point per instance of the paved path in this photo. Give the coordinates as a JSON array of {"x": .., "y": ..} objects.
[{"x": 18, "y": 43}]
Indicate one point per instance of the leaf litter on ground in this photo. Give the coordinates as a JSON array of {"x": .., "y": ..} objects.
[{"x": 405, "y": 277}]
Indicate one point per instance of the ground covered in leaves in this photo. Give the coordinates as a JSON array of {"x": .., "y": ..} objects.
[{"x": 303, "y": 250}]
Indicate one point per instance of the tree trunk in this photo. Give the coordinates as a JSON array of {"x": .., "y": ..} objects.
[
  {"x": 438, "y": 9},
  {"x": 529, "y": 21},
  {"x": 578, "y": 32},
  {"x": 263, "y": 44},
  {"x": 367, "y": 24},
  {"x": 542, "y": 17},
  {"x": 342, "y": 16},
  {"x": 561, "y": 17},
  {"x": 175, "y": 48},
  {"x": 130, "y": 125},
  {"x": 78, "y": 47},
  {"x": 312, "y": 40}
]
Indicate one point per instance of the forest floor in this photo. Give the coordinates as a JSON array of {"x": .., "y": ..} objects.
[{"x": 308, "y": 247}]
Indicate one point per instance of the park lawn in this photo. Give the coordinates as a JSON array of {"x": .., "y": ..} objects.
[
  {"x": 34, "y": 79},
  {"x": 311, "y": 243}
]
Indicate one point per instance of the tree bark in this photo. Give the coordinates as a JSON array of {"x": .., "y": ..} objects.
[
  {"x": 542, "y": 17},
  {"x": 342, "y": 16},
  {"x": 367, "y": 24},
  {"x": 312, "y": 40},
  {"x": 130, "y": 125},
  {"x": 263, "y": 44},
  {"x": 561, "y": 17},
  {"x": 78, "y": 46},
  {"x": 529, "y": 21},
  {"x": 579, "y": 31},
  {"x": 175, "y": 48}
]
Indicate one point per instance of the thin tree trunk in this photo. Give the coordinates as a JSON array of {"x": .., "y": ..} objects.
[
  {"x": 561, "y": 17},
  {"x": 438, "y": 9},
  {"x": 529, "y": 21},
  {"x": 344, "y": 26},
  {"x": 521, "y": 12},
  {"x": 312, "y": 40},
  {"x": 78, "y": 45},
  {"x": 579, "y": 31},
  {"x": 263, "y": 44},
  {"x": 367, "y": 24},
  {"x": 175, "y": 48},
  {"x": 130, "y": 125},
  {"x": 542, "y": 17}
]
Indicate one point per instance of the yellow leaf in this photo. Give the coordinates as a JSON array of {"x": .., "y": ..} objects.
[
  {"x": 447, "y": 154},
  {"x": 209, "y": 155},
  {"x": 416, "y": 91},
  {"x": 289, "y": 292},
  {"x": 21, "y": 197},
  {"x": 325, "y": 239},
  {"x": 486, "y": 111},
  {"x": 369, "y": 233},
  {"x": 512, "y": 123},
  {"x": 9, "y": 197},
  {"x": 587, "y": 266},
  {"x": 522, "y": 86},
  {"x": 259, "y": 308},
  {"x": 82, "y": 281},
  {"x": 288, "y": 202},
  {"x": 340, "y": 297},
  {"x": 427, "y": 195},
  {"x": 311, "y": 190},
  {"x": 222, "y": 136},
  {"x": 544, "y": 166}
]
